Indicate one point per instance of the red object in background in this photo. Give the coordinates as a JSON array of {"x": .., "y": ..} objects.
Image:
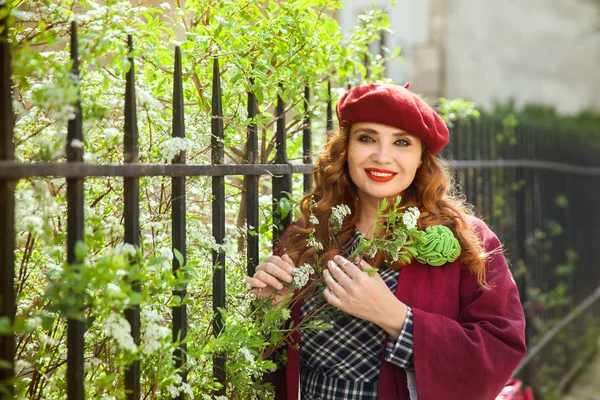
[{"x": 514, "y": 391}]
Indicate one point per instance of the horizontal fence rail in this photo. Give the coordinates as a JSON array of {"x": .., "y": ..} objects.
[
  {"x": 16, "y": 170},
  {"x": 12, "y": 170}
]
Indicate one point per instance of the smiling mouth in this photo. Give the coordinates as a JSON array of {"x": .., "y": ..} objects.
[{"x": 380, "y": 175}]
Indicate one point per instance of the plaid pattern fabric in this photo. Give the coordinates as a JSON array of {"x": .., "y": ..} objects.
[
  {"x": 343, "y": 362},
  {"x": 400, "y": 351}
]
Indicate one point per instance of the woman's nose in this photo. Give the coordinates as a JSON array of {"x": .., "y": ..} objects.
[{"x": 382, "y": 154}]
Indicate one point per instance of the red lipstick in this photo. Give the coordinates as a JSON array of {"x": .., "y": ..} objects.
[{"x": 388, "y": 175}]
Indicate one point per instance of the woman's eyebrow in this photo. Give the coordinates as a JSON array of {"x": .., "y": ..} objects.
[
  {"x": 366, "y": 130},
  {"x": 375, "y": 132}
]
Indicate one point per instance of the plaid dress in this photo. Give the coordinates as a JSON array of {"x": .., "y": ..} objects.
[{"x": 343, "y": 362}]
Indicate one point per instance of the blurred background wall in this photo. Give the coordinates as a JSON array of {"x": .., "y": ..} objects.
[{"x": 535, "y": 51}]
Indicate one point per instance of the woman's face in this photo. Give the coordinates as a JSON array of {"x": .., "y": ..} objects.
[{"x": 382, "y": 160}]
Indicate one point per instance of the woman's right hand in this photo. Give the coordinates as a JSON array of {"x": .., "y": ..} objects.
[{"x": 269, "y": 276}]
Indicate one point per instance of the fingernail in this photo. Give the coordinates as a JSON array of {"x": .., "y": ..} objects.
[
  {"x": 293, "y": 270},
  {"x": 280, "y": 286},
  {"x": 288, "y": 278}
]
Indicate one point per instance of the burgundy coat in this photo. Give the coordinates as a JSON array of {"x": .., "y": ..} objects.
[{"x": 467, "y": 340}]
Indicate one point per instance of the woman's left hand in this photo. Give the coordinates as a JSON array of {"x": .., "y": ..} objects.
[{"x": 352, "y": 290}]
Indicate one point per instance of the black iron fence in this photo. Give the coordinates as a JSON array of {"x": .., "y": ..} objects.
[
  {"x": 538, "y": 189},
  {"x": 75, "y": 171},
  {"x": 519, "y": 179}
]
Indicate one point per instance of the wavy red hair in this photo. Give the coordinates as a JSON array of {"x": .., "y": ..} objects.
[{"x": 432, "y": 191}]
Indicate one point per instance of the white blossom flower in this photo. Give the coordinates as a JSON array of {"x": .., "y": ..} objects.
[
  {"x": 246, "y": 353},
  {"x": 47, "y": 339},
  {"x": 173, "y": 390},
  {"x": 145, "y": 98},
  {"x": 92, "y": 363},
  {"x": 34, "y": 224},
  {"x": 118, "y": 328},
  {"x": 154, "y": 332},
  {"x": 312, "y": 204},
  {"x": 312, "y": 242},
  {"x": 77, "y": 144},
  {"x": 410, "y": 217},
  {"x": 34, "y": 322},
  {"x": 187, "y": 389},
  {"x": 338, "y": 213},
  {"x": 301, "y": 275},
  {"x": 124, "y": 248},
  {"x": 172, "y": 147},
  {"x": 111, "y": 132}
]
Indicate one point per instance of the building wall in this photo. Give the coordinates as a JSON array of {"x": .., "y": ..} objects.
[
  {"x": 488, "y": 51},
  {"x": 535, "y": 51}
]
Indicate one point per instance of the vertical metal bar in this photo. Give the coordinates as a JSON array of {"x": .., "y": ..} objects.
[
  {"x": 218, "y": 219},
  {"x": 131, "y": 210},
  {"x": 7, "y": 213},
  {"x": 307, "y": 139},
  {"x": 251, "y": 182},
  {"x": 178, "y": 218},
  {"x": 382, "y": 53},
  {"x": 329, "y": 108},
  {"x": 75, "y": 222},
  {"x": 521, "y": 239},
  {"x": 281, "y": 184}
]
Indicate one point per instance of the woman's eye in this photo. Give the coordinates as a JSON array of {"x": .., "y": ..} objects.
[
  {"x": 402, "y": 142},
  {"x": 365, "y": 139}
]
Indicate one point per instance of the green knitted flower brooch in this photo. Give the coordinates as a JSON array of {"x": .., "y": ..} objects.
[{"x": 436, "y": 246}]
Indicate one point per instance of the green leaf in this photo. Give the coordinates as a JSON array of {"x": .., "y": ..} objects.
[
  {"x": 178, "y": 256},
  {"x": 80, "y": 250}
]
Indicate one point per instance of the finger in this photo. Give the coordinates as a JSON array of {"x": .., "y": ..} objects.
[
  {"x": 339, "y": 275},
  {"x": 276, "y": 271},
  {"x": 352, "y": 270},
  {"x": 288, "y": 260},
  {"x": 268, "y": 279},
  {"x": 362, "y": 264},
  {"x": 285, "y": 264},
  {"x": 333, "y": 285},
  {"x": 255, "y": 283},
  {"x": 332, "y": 299}
]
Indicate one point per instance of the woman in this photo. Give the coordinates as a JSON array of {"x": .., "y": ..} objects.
[{"x": 413, "y": 331}]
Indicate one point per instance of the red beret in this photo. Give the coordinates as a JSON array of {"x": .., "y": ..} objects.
[{"x": 396, "y": 106}]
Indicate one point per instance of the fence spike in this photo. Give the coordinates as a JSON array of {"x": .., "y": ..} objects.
[
  {"x": 75, "y": 226},
  {"x": 251, "y": 186},
  {"x": 218, "y": 220},
  {"x": 178, "y": 221},
  {"x": 281, "y": 184},
  {"x": 7, "y": 211},
  {"x": 329, "y": 108},
  {"x": 307, "y": 139},
  {"x": 131, "y": 211}
]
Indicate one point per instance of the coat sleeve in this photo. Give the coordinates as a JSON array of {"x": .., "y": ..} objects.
[{"x": 472, "y": 357}]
